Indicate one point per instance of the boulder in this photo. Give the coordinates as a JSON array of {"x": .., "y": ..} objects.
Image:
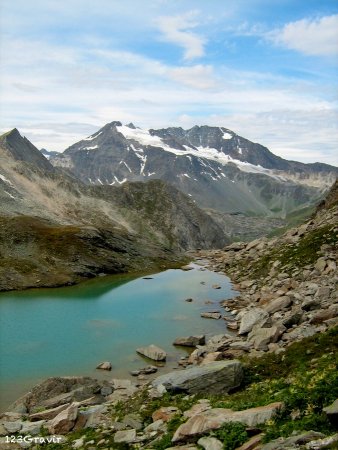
[
  {"x": 213, "y": 378},
  {"x": 48, "y": 414},
  {"x": 332, "y": 412},
  {"x": 278, "y": 304},
  {"x": 210, "y": 443},
  {"x": 211, "y": 357},
  {"x": 292, "y": 442},
  {"x": 190, "y": 341},
  {"x": 262, "y": 337},
  {"x": 321, "y": 264},
  {"x": 252, "y": 443},
  {"x": 156, "y": 426},
  {"x": 144, "y": 371},
  {"x": 90, "y": 417},
  {"x": 211, "y": 315},
  {"x": 152, "y": 352},
  {"x": 13, "y": 427},
  {"x": 64, "y": 421},
  {"x": 325, "y": 314},
  {"x": 57, "y": 391},
  {"x": 104, "y": 366},
  {"x": 187, "y": 267},
  {"x": 251, "y": 318},
  {"x": 133, "y": 420},
  {"x": 125, "y": 436},
  {"x": 32, "y": 428},
  {"x": 330, "y": 442},
  {"x": 198, "y": 408},
  {"x": 215, "y": 418}
]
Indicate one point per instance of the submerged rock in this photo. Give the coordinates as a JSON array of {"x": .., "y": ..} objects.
[
  {"x": 104, "y": 366},
  {"x": 152, "y": 352}
]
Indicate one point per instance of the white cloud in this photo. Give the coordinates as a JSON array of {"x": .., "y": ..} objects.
[
  {"x": 58, "y": 96},
  {"x": 317, "y": 37},
  {"x": 199, "y": 76},
  {"x": 175, "y": 30}
]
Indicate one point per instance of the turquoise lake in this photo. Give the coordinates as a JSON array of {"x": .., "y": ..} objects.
[{"x": 69, "y": 331}]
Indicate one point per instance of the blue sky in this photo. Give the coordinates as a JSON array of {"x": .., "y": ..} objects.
[{"x": 264, "y": 69}]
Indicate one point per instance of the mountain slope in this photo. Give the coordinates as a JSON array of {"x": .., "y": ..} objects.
[
  {"x": 213, "y": 165},
  {"x": 55, "y": 230}
]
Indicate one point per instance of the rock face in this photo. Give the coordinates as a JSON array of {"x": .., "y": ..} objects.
[
  {"x": 220, "y": 376},
  {"x": 190, "y": 341},
  {"x": 215, "y": 418},
  {"x": 36, "y": 214},
  {"x": 152, "y": 352},
  {"x": 183, "y": 157}
]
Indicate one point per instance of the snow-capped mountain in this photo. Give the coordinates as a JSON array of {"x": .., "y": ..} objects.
[{"x": 213, "y": 165}]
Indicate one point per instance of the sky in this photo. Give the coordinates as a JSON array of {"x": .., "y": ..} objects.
[{"x": 266, "y": 69}]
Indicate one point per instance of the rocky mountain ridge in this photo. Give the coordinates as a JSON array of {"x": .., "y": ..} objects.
[
  {"x": 54, "y": 230},
  {"x": 213, "y": 165}
]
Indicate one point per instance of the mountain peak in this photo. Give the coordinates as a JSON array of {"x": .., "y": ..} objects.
[{"x": 21, "y": 149}]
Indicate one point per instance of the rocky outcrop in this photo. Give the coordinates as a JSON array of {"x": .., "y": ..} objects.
[{"x": 220, "y": 376}]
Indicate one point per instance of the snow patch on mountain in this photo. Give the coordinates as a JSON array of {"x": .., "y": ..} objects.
[
  {"x": 94, "y": 147},
  {"x": 6, "y": 180},
  {"x": 93, "y": 136},
  {"x": 226, "y": 135}
]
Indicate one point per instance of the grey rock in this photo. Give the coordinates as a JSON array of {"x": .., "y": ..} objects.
[
  {"x": 133, "y": 421},
  {"x": 91, "y": 417},
  {"x": 152, "y": 352},
  {"x": 278, "y": 304},
  {"x": 106, "y": 390},
  {"x": 190, "y": 341},
  {"x": 12, "y": 427},
  {"x": 292, "y": 442},
  {"x": 106, "y": 365},
  {"x": 64, "y": 421},
  {"x": 158, "y": 425},
  {"x": 32, "y": 428},
  {"x": 220, "y": 376},
  {"x": 262, "y": 337},
  {"x": 251, "y": 318},
  {"x": 126, "y": 436},
  {"x": 211, "y": 315},
  {"x": 210, "y": 443},
  {"x": 321, "y": 264},
  {"x": 215, "y": 418},
  {"x": 329, "y": 442},
  {"x": 48, "y": 414}
]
